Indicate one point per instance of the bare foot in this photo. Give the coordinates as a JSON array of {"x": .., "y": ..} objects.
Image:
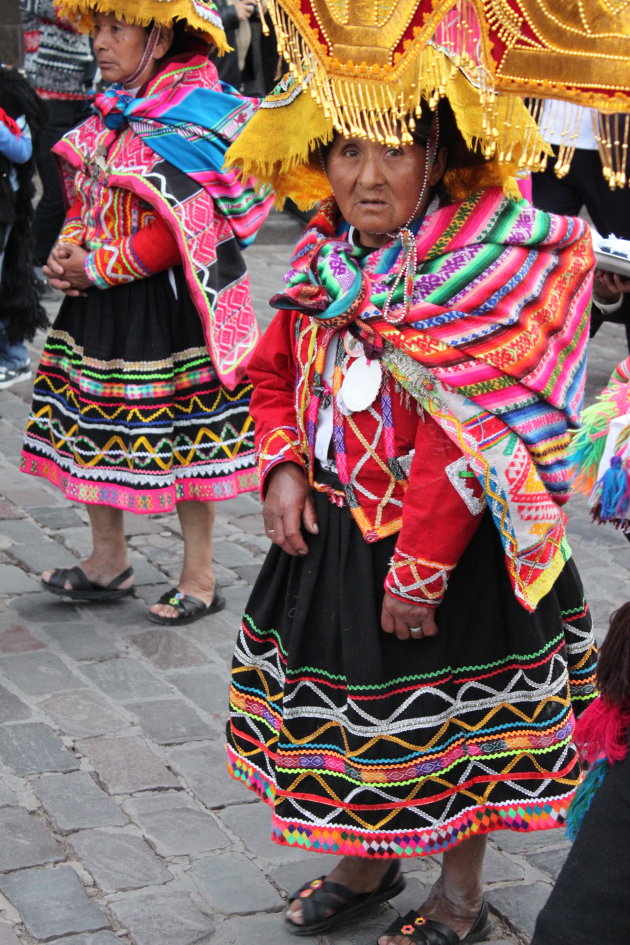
[
  {"x": 101, "y": 573},
  {"x": 353, "y": 872},
  {"x": 457, "y": 916},
  {"x": 203, "y": 590}
]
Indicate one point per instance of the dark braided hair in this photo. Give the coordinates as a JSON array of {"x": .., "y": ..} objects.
[{"x": 613, "y": 670}]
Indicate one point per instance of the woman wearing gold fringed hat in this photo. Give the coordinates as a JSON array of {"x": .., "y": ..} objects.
[
  {"x": 141, "y": 399},
  {"x": 417, "y": 643}
]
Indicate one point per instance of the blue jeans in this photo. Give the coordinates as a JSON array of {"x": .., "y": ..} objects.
[{"x": 11, "y": 356}]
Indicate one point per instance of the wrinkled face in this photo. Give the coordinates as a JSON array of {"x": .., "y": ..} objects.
[
  {"x": 377, "y": 186},
  {"x": 118, "y": 47}
]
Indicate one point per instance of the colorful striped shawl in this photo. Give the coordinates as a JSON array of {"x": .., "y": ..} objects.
[
  {"x": 190, "y": 118},
  {"x": 492, "y": 345},
  {"x": 211, "y": 213}
]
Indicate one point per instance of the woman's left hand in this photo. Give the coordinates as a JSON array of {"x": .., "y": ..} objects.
[{"x": 407, "y": 621}]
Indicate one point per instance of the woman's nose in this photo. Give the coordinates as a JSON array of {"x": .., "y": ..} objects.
[
  {"x": 99, "y": 41},
  {"x": 371, "y": 171}
]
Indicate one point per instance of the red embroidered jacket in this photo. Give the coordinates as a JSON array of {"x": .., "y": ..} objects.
[{"x": 400, "y": 472}]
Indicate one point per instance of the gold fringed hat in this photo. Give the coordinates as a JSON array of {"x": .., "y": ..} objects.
[
  {"x": 365, "y": 67},
  {"x": 199, "y": 16}
]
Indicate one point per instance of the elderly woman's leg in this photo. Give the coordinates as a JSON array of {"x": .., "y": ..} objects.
[
  {"x": 197, "y": 578},
  {"x": 109, "y": 557},
  {"x": 456, "y": 898}
]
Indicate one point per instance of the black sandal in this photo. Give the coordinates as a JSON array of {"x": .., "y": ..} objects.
[
  {"x": 188, "y": 608},
  {"x": 424, "y": 931},
  {"x": 321, "y": 895},
  {"x": 84, "y": 589}
]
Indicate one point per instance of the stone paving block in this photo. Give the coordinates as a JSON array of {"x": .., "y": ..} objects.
[
  {"x": 499, "y": 868},
  {"x": 52, "y": 902},
  {"x": 31, "y": 748},
  {"x": 203, "y": 767},
  {"x": 126, "y": 765},
  {"x": 252, "y": 525},
  {"x": 125, "y": 679},
  {"x": 177, "y": 830},
  {"x": 207, "y": 689},
  {"x": 7, "y": 797},
  {"x": 218, "y": 636},
  {"x": 33, "y": 608},
  {"x": 169, "y": 721},
  {"x": 100, "y": 938},
  {"x": 167, "y": 917},
  {"x": 166, "y": 649},
  {"x": 520, "y": 905},
  {"x": 7, "y": 935},
  {"x": 14, "y": 580},
  {"x": 515, "y": 841},
  {"x": 18, "y": 639},
  {"x": 74, "y": 801},
  {"x": 81, "y": 642},
  {"x": 248, "y": 572},
  {"x": 9, "y": 510},
  {"x": 231, "y": 883},
  {"x": 55, "y": 519},
  {"x": 146, "y": 573},
  {"x": 118, "y": 860},
  {"x": 252, "y": 823},
  {"x": 39, "y": 556},
  {"x": 38, "y": 673},
  {"x": 231, "y": 554},
  {"x": 262, "y": 930},
  {"x": 247, "y": 503},
  {"x": 12, "y": 709},
  {"x": 550, "y": 861},
  {"x": 143, "y": 525},
  {"x": 25, "y": 841},
  {"x": 82, "y": 712}
]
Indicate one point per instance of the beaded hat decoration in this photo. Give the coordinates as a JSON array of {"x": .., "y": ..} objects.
[
  {"x": 368, "y": 65},
  {"x": 199, "y": 16}
]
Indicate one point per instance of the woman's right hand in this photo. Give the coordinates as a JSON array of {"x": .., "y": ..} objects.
[
  {"x": 54, "y": 269},
  {"x": 289, "y": 506}
]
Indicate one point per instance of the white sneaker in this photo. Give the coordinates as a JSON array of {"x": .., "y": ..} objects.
[{"x": 10, "y": 376}]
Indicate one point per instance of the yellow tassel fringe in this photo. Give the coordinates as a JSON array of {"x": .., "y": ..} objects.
[{"x": 142, "y": 13}]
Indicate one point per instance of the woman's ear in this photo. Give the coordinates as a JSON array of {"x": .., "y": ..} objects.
[
  {"x": 439, "y": 166},
  {"x": 164, "y": 43}
]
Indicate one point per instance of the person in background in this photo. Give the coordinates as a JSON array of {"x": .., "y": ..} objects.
[
  {"x": 583, "y": 187},
  {"x": 60, "y": 66},
  {"x": 141, "y": 401},
  {"x": 22, "y": 116},
  {"x": 590, "y": 901},
  {"x": 236, "y": 18}
]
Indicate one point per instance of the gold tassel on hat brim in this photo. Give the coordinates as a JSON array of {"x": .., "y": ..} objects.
[
  {"x": 279, "y": 145},
  {"x": 201, "y": 18}
]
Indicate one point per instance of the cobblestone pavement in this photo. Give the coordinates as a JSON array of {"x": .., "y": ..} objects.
[{"x": 118, "y": 822}]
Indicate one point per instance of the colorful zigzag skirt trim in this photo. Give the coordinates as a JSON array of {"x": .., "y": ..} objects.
[{"x": 366, "y": 745}]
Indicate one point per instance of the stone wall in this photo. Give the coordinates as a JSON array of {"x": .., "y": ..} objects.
[{"x": 11, "y": 41}]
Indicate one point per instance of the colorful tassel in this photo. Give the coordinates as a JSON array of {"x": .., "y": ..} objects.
[
  {"x": 603, "y": 729},
  {"x": 584, "y": 795},
  {"x": 587, "y": 446},
  {"x": 612, "y": 492}
]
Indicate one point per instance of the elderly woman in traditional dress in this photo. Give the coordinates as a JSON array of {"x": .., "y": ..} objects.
[
  {"x": 414, "y": 649},
  {"x": 141, "y": 399}
]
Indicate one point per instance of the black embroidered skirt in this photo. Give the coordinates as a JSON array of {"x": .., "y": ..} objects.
[
  {"x": 366, "y": 745},
  {"x": 127, "y": 408}
]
